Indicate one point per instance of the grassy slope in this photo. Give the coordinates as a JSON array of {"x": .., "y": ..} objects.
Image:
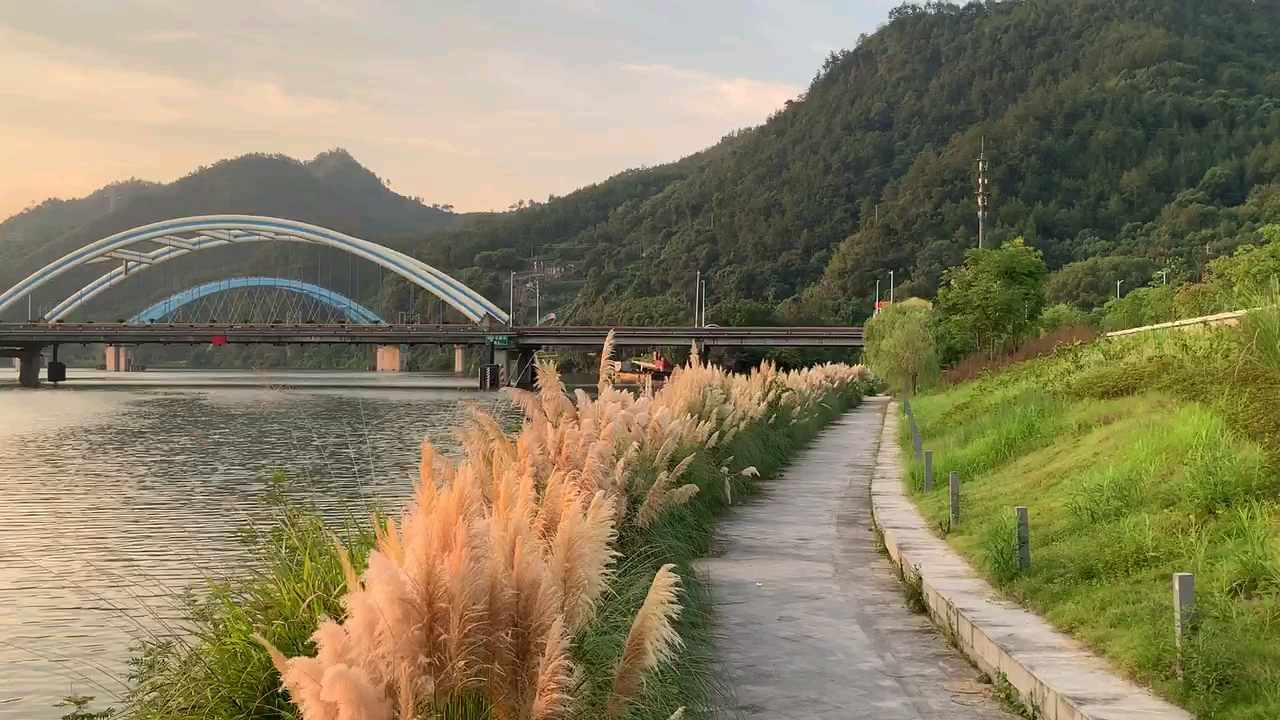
[{"x": 1137, "y": 458}]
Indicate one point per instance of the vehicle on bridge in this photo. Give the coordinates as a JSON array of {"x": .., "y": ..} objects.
[{"x": 653, "y": 370}]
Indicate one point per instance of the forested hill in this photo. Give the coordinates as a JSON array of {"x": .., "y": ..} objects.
[
  {"x": 1134, "y": 127},
  {"x": 332, "y": 189}
]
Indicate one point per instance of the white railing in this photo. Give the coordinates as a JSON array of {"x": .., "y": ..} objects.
[{"x": 1225, "y": 318}]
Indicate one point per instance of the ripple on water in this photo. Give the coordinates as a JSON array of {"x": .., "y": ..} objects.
[{"x": 114, "y": 500}]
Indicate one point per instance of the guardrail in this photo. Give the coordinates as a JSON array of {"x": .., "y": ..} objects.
[
  {"x": 1226, "y": 318},
  {"x": 16, "y": 334}
]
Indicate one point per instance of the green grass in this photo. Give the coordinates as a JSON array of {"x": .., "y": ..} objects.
[
  {"x": 215, "y": 671},
  {"x": 1137, "y": 458}
]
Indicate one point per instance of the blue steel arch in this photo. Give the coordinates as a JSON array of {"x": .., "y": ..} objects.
[
  {"x": 352, "y": 309},
  {"x": 185, "y": 235}
]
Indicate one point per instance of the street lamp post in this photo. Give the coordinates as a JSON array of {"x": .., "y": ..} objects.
[
  {"x": 511, "y": 301},
  {"x": 876, "y": 309},
  {"x": 1164, "y": 277},
  {"x": 890, "y": 287},
  {"x": 1118, "y": 288},
  {"x": 697, "y": 296},
  {"x": 537, "y": 307},
  {"x": 702, "y": 284}
]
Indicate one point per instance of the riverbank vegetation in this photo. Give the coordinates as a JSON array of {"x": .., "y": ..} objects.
[
  {"x": 1001, "y": 306},
  {"x": 1138, "y": 457},
  {"x": 541, "y": 575}
]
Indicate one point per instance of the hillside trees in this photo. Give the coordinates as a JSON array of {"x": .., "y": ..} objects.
[{"x": 995, "y": 297}]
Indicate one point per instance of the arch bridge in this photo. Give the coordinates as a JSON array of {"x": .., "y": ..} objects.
[
  {"x": 490, "y": 328},
  {"x": 149, "y": 246},
  {"x": 352, "y": 310}
]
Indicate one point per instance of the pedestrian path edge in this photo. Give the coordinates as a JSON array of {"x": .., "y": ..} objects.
[{"x": 1054, "y": 674}]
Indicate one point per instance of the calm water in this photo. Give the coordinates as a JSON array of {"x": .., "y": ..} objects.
[{"x": 115, "y": 497}]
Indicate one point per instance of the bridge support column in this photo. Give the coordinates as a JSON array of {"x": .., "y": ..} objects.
[
  {"x": 459, "y": 359},
  {"x": 29, "y": 366},
  {"x": 389, "y": 358},
  {"x": 502, "y": 359},
  {"x": 523, "y": 374},
  {"x": 119, "y": 358}
]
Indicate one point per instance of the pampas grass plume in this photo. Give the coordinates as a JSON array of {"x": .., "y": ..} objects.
[{"x": 651, "y": 641}]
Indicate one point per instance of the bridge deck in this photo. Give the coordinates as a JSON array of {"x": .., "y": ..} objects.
[{"x": 26, "y": 334}]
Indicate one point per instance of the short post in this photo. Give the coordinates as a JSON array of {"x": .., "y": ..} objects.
[
  {"x": 1024, "y": 539},
  {"x": 955, "y": 498},
  {"x": 917, "y": 442},
  {"x": 1184, "y": 610},
  {"x": 928, "y": 471}
]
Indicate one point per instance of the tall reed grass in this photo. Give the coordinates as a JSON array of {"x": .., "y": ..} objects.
[{"x": 543, "y": 575}]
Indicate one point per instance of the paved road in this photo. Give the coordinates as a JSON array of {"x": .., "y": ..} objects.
[{"x": 810, "y": 618}]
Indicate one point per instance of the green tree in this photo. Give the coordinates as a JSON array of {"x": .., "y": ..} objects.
[
  {"x": 1250, "y": 270},
  {"x": 1144, "y": 306},
  {"x": 996, "y": 296},
  {"x": 1091, "y": 283},
  {"x": 900, "y": 346},
  {"x": 740, "y": 313},
  {"x": 1062, "y": 316}
]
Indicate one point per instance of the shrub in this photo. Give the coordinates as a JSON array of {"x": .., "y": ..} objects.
[
  {"x": 1000, "y": 548},
  {"x": 979, "y": 363}
]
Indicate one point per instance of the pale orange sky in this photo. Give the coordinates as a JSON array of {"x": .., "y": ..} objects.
[{"x": 476, "y": 104}]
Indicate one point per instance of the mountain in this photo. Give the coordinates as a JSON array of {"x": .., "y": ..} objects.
[
  {"x": 1139, "y": 129},
  {"x": 332, "y": 190},
  {"x": 1112, "y": 127},
  {"x": 28, "y": 231}
]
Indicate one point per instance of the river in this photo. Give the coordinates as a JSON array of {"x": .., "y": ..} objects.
[{"x": 116, "y": 492}]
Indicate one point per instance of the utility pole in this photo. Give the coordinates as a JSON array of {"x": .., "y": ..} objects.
[
  {"x": 697, "y": 296},
  {"x": 511, "y": 300},
  {"x": 983, "y": 196},
  {"x": 703, "y": 286},
  {"x": 890, "y": 287},
  {"x": 537, "y": 307}
]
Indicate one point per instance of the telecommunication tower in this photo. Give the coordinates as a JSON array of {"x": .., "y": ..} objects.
[{"x": 984, "y": 197}]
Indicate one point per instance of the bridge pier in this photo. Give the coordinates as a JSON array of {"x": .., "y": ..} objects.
[
  {"x": 119, "y": 358},
  {"x": 459, "y": 360},
  {"x": 29, "y": 366},
  {"x": 523, "y": 375},
  {"x": 389, "y": 358}
]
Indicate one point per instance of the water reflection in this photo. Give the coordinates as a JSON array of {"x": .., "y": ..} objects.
[{"x": 113, "y": 500}]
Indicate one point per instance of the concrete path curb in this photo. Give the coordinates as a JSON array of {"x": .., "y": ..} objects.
[{"x": 1054, "y": 673}]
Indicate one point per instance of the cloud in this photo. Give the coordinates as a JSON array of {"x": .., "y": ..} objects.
[
  {"x": 110, "y": 93},
  {"x": 457, "y": 108},
  {"x": 742, "y": 100},
  {"x": 586, "y": 8},
  {"x": 162, "y": 37}
]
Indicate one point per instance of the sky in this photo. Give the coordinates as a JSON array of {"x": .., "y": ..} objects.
[{"x": 475, "y": 104}]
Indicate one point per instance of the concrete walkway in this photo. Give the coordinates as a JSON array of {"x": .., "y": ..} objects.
[{"x": 811, "y": 620}]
